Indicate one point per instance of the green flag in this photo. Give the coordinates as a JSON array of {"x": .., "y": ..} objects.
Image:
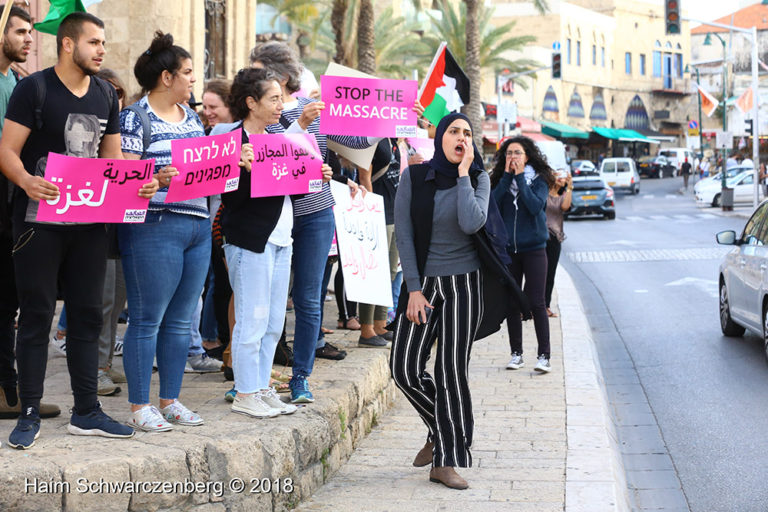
[{"x": 56, "y": 13}]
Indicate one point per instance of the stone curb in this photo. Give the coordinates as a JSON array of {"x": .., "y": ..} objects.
[
  {"x": 279, "y": 461},
  {"x": 595, "y": 475}
]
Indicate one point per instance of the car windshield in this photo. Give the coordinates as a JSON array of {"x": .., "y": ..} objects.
[
  {"x": 588, "y": 184},
  {"x": 740, "y": 177}
]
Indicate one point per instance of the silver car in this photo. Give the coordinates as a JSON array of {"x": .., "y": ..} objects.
[{"x": 744, "y": 278}]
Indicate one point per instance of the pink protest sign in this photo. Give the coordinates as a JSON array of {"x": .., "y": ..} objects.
[
  {"x": 368, "y": 107},
  {"x": 96, "y": 189},
  {"x": 206, "y": 165},
  {"x": 285, "y": 164},
  {"x": 424, "y": 147}
]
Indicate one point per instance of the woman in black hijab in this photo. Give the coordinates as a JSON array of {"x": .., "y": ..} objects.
[{"x": 439, "y": 206}]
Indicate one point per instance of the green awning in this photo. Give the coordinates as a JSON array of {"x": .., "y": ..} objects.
[
  {"x": 623, "y": 135},
  {"x": 562, "y": 131}
]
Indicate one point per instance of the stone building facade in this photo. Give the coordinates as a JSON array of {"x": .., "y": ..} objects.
[
  {"x": 217, "y": 33},
  {"x": 619, "y": 68}
]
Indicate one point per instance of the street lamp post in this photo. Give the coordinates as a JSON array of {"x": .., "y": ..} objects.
[
  {"x": 708, "y": 42},
  {"x": 701, "y": 128}
]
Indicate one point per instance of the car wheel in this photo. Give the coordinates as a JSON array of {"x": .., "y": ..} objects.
[
  {"x": 636, "y": 189},
  {"x": 716, "y": 200},
  {"x": 727, "y": 325},
  {"x": 610, "y": 215}
]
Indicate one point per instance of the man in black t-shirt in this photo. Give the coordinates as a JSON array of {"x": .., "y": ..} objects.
[
  {"x": 79, "y": 117},
  {"x": 685, "y": 170}
]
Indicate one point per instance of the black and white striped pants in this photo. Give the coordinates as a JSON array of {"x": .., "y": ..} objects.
[{"x": 443, "y": 402}]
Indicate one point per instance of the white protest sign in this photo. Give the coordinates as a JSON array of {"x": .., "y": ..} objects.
[{"x": 361, "y": 233}]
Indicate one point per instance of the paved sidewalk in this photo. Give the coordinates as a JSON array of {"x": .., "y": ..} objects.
[
  {"x": 527, "y": 456},
  {"x": 541, "y": 443}
]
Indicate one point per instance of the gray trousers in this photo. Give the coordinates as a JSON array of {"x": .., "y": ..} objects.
[{"x": 113, "y": 302}]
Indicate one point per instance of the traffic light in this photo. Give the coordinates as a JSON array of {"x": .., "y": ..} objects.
[
  {"x": 749, "y": 128},
  {"x": 672, "y": 16},
  {"x": 556, "y": 64}
]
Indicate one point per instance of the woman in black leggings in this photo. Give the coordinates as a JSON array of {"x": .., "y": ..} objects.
[{"x": 521, "y": 180}]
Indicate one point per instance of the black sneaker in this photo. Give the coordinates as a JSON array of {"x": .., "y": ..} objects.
[
  {"x": 228, "y": 373},
  {"x": 27, "y": 429},
  {"x": 328, "y": 351},
  {"x": 97, "y": 423}
]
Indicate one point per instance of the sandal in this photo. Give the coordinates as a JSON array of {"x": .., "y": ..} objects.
[
  {"x": 551, "y": 314},
  {"x": 280, "y": 387},
  {"x": 280, "y": 377},
  {"x": 327, "y": 331},
  {"x": 351, "y": 323}
]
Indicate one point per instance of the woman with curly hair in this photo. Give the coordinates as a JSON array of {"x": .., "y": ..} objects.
[{"x": 521, "y": 180}]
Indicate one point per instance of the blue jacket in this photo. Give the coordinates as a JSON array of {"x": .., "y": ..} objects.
[{"x": 525, "y": 216}]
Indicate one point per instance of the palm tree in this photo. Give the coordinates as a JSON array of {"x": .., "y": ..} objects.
[
  {"x": 472, "y": 67},
  {"x": 366, "y": 42},
  {"x": 301, "y": 14}
]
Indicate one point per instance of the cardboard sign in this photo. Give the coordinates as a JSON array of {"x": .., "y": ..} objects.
[
  {"x": 368, "y": 107},
  {"x": 361, "y": 232},
  {"x": 285, "y": 164},
  {"x": 207, "y": 166},
  {"x": 96, "y": 189}
]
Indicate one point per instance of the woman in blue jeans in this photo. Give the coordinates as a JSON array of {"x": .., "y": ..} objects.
[{"x": 166, "y": 258}]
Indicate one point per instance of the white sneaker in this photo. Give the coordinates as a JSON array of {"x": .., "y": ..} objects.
[
  {"x": 253, "y": 405},
  {"x": 148, "y": 419},
  {"x": 118, "y": 346},
  {"x": 177, "y": 413},
  {"x": 202, "y": 363},
  {"x": 516, "y": 362},
  {"x": 270, "y": 397},
  {"x": 543, "y": 364},
  {"x": 60, "y": 344}
]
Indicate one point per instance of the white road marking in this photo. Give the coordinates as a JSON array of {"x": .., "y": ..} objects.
[
  {"x": 645, "y": 255},
  {"x": 708, "y": 286}
]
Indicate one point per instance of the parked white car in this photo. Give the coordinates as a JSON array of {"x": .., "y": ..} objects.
[
  {"x": 621, "y": 174},
  {"x": 678, "y": 155},
  {"x": 743, "y": 280},
  {"x": 743, "y": 186},
  {"x": 730, "y": 173}
]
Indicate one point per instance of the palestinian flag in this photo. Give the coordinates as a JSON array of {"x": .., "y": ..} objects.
[
  {"x": 59, "y": 10},
  {"x": 446, "y": 88},
  {"x": 708, "y": 102}
]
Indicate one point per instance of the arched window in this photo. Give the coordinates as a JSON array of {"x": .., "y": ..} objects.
[{"x": 637, "y": 116}]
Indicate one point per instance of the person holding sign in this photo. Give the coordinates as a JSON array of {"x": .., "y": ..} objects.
[
  {"x": 166, "y": 258},
  {"x": 48, "y": 253},
  {"x": 439, "y": 206},
  {"x": 313, "y": 214},
  {"x": 258, "y": 249}
]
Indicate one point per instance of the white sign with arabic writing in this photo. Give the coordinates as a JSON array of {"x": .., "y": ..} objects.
[{"x": 361, "y": 233}]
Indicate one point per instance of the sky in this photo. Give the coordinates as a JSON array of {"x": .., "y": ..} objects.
[{"x": 712, "y": 9}]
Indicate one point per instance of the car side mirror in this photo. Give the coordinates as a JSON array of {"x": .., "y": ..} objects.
[{"x": 726, "y": 237}]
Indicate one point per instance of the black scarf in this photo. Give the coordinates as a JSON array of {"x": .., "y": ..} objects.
[{"x": 446, "y": 173}]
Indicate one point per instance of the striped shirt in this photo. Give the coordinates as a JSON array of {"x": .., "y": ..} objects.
[
  {"x": 163, "y": 132},
  {"x": 316, "y": 202}
]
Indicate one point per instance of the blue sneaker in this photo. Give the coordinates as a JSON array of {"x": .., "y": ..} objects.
[
  {"x": 300, "y": 393},
  {"x": 230, "y": 395},
  {"x": 96, "y": 423},
  {"x": 27, "y": 429}
]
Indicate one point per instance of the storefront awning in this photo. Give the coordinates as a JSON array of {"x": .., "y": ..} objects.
[
  {"x": 653, "y": 134},
  {"x": 622, "y": 135},
  {"x": 562, "y": 131}
]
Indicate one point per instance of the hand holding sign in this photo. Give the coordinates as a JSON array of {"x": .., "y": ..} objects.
[
  {"x": 37, "y": 188},
  {"x": 246, "y": 156},
  {"x": 310, "y": 113},
  {"x": 286, "y": 164}
]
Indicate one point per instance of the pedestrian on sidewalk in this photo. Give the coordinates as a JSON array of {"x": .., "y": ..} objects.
[
  {"x": 685, "y": 170},
  {"x": 558, "y": 202},
  {"x": 75, "y": 105},
  {"x": 162, "y": 297},
  {"x": 439, "y": 206},
  {"x": 521, "y": 180}
]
